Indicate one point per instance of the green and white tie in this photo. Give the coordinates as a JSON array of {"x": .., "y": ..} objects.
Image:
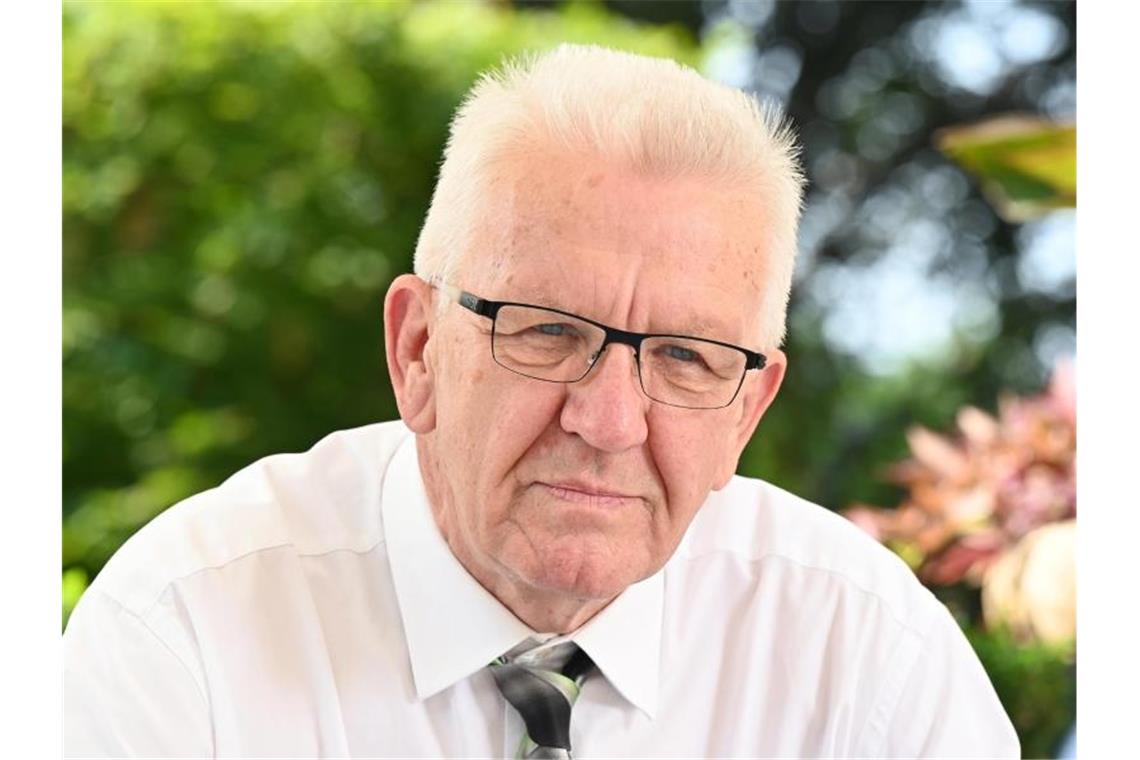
[{"x": 543, "y": 699}]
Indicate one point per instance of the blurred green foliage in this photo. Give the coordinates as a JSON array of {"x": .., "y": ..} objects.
[{"x": 1036, "y": 684}]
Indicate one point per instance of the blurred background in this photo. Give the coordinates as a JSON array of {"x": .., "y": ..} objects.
[{"x": 242, "y": 180}]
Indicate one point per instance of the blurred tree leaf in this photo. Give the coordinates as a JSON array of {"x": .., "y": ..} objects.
[
  {"x": 1027, "y": 166},
  {"x": 74, "y": 584}
]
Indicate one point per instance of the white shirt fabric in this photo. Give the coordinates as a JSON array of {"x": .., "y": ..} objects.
[{"x": 309, "y": 607}]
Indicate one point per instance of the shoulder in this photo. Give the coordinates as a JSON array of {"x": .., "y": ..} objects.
[
  {"x": 776, "y": 534},
  {"x": 321, "y": 500}
]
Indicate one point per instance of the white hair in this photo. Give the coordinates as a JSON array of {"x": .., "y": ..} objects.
[{"x": 649, "y": 115}]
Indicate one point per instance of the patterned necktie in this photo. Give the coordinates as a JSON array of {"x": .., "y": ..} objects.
[{"x": 543, "y": 698}]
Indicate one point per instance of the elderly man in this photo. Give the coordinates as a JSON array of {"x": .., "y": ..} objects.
[{"x": 550, "y": 552}]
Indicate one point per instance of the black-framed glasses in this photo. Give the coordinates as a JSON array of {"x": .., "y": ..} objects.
[{"x": 559, "y": 347}]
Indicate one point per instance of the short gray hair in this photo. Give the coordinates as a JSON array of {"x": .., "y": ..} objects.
[{"x": 650, "y": 115}]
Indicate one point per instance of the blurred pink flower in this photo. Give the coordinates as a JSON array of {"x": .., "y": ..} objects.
[{"x": 974, "y": 495}]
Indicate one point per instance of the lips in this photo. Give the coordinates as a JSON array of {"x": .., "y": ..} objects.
[{"x": 586, "y": 493}]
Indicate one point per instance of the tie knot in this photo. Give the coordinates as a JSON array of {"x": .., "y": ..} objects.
[{"x": 543, "y": 687}]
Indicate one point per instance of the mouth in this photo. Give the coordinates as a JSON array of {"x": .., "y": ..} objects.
[{"x": 576, "y": 492}]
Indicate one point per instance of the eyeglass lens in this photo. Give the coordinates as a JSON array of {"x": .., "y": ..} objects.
[{"x": 547, "y": 345}]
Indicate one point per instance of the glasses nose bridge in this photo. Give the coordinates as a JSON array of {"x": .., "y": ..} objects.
[
  {"x": 625, "y": 338},
  {"x": 622, "y": 337}
]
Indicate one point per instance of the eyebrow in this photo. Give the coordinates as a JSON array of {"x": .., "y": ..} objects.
[{"x": 691, "y": 325}]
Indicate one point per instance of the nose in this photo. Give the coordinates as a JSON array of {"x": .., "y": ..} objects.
[{"x": 607, "y": 407}]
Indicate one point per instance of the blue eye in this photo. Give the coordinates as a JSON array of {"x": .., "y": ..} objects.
[
  {"x": 551, "y": 328},
  {"x": 681, "y": 353}
]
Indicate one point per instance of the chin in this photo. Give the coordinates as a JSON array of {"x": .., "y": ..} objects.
[{"x": 583, "y": 575}]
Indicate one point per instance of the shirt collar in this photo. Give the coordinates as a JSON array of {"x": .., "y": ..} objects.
[{"x": 451, "y": 640}]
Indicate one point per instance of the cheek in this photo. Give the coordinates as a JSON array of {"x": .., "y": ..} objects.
[
  {"x": 688, "y": 455},
  {"x": 465, "y": 384},
  {"x": 520, "y": 413},
  {"x": 493, "y": 419}
]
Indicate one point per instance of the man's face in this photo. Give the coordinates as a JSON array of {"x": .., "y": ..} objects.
[{"x": 578, "y": 490}]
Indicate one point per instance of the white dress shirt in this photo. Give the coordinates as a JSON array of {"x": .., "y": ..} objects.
[{"x": 309, "y": 607}]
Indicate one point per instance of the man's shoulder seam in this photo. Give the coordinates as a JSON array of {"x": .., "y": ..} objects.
[
  {"x": 165, "y": 588},
  {"x": 143, "y": 621},
  {"x": 885, "y": 602}
]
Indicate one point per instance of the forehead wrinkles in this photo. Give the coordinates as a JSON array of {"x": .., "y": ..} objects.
[
  {"x": 536, "y": 219},
  {"x": 547, "y": 219}
]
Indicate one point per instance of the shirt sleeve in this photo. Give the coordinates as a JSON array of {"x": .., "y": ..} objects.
[
  {"x": 946, "y": 706},
  {"x": 127, "y": 693}
]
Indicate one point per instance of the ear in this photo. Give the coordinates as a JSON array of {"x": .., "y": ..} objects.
[
  {"x": 408, "y": 321},
  {"x": 757, "y": 394}
]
